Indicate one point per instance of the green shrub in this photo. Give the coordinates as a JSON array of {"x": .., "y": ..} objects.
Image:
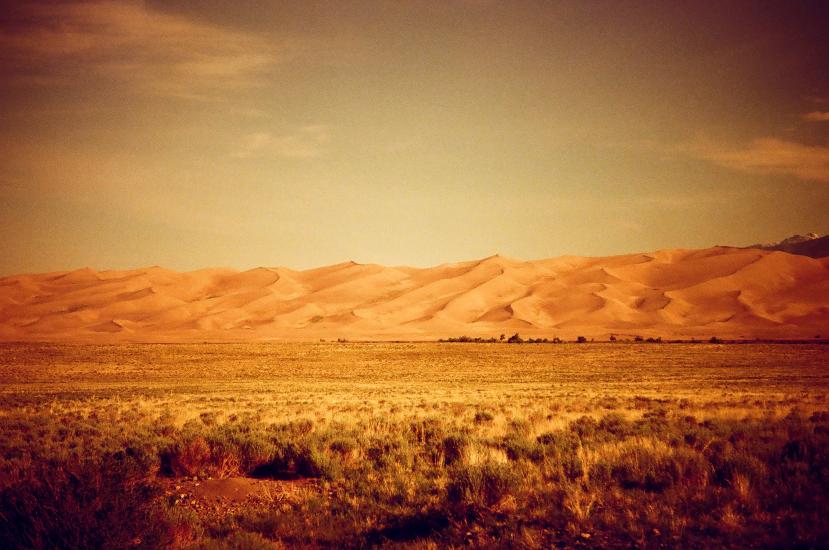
[
  {"x": 186, "y": 458},
  {"x": 652, "y": 466},
  {"x": 105, "y": 503},
  {"x": 585, "y": 427},
  {"x": 519, "y": 447},
  {"x": 483, "y": 417},
  {"x": 482, "y": 485},
  {"x": 560, "y": 441},
  {"x": 343, "y": 446},
  {"x": 240, "y": 446},
  {"x": 209, "y": 418},
  {"x": 455, "y": 448},
  {"x": 616, "y": 426},
  {"x": 515, "y": 339},
  {"x": 298, "y": 460}
]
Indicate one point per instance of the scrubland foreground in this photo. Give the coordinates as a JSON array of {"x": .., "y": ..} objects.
[{"x": 414, "y": 446}]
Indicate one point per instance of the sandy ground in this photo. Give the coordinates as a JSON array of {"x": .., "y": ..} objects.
[{"x": 727, "y": 292}]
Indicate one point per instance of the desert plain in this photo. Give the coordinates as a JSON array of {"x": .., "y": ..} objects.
[
  {"x": 660, "y": 400},
  {"x": 413, "y": 445}
]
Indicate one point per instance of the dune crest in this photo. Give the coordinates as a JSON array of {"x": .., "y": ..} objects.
[{"x": 720, "y": 291}]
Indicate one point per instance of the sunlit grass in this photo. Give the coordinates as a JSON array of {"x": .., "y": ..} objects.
[{"x": 416, "y": 444}]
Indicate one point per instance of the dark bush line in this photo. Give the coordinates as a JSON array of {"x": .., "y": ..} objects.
[
  {"x": 277, "y": 452},
  {"x": 517, "y": 339},
  {"x": 514, "y": 339}
]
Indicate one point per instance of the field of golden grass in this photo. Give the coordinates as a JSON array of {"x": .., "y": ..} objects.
[{"x": 414, "y": 445}]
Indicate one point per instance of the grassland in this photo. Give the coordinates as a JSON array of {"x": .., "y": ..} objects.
[{"x": 414, "y": 445}]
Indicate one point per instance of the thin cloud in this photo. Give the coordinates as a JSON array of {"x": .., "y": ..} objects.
[
  {"x": 125, "y": 42},
  {"x": 248, "y": 112},
  {"x": 770, "y": 156},
  {"x": 817, "y": 116},
  {"x": 306, "y": 142}
]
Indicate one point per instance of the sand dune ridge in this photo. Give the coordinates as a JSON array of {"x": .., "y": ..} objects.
[{"x": 722, "y": 291}]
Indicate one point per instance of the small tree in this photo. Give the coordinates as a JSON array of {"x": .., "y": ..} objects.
[
  {"x": 515, "y": 339},
  {"x": 612, "y": 337},
  {"x": 581, "y": 339},
  {"x": 502, "y": 337}
]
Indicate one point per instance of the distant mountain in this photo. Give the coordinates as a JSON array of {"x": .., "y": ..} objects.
[
  {"x": 721, "y": 291},
  {"x": 810, "y": 244}
]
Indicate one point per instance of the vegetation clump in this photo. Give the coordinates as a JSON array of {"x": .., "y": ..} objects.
[{"x": 482, "y": 485}]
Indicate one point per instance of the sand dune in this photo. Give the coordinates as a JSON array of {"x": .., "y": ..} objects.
[{"x": 722, "y": 291}]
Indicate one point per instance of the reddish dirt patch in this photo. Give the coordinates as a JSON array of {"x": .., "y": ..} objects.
[
  {"x": 217, "y": 498},
  {"x": 235, "y": 489}
]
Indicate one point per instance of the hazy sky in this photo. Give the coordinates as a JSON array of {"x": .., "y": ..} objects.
[{"x": 213, "y": 133}]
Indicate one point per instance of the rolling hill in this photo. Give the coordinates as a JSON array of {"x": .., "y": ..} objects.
[{"x": 722, "y": 291}]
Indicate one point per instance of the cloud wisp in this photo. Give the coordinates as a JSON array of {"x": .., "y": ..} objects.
[
  {"x": 126, "y": 43},
  {"x": 817, "y": 116},
  {"x": 305, "y": 142},
  {"x": 769, "y": 156}
]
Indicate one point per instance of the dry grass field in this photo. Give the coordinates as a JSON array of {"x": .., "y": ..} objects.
[{"x": 336, "y": 445}]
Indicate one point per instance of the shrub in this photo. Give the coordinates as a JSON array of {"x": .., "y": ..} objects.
[
  {"x": 561, "y": 441},
  {"x": 343, "y": 446},
  {"x": 819, "y": 416},
  {"x": 186, "y": 458},
  {"x": 562, "y": 450},
  {"x": 482, "y": 485},
  {"x": 728, "y": 463},
  {"x": 616, "y": 426},
  {"x": 106, "y": 503},
  {"x": 237, "y": 447},
  {"x": 651, "y": 465},
  {"x": 519, "y": 447},
  {"x": 584, "y": 427},
  {"x": 298, "y": 460},
  {"x": 521, "y": 427},
  {"x": 428, "y": 431},
  {"x": 483, "y": 417},
  {"x": 653, "y": 422},
  {"x": 382, "y": 452},
  {"x": 455, "y": 449},
  {"x": 209, "y": 418}
]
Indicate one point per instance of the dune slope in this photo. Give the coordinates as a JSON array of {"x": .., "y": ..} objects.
[{"x": 722, "y": 291}]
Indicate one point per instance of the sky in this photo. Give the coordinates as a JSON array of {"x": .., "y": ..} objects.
[{"x": 206, "y": 133}]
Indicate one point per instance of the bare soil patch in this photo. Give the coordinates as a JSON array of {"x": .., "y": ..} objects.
[{"x": 217, "y": 498}]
